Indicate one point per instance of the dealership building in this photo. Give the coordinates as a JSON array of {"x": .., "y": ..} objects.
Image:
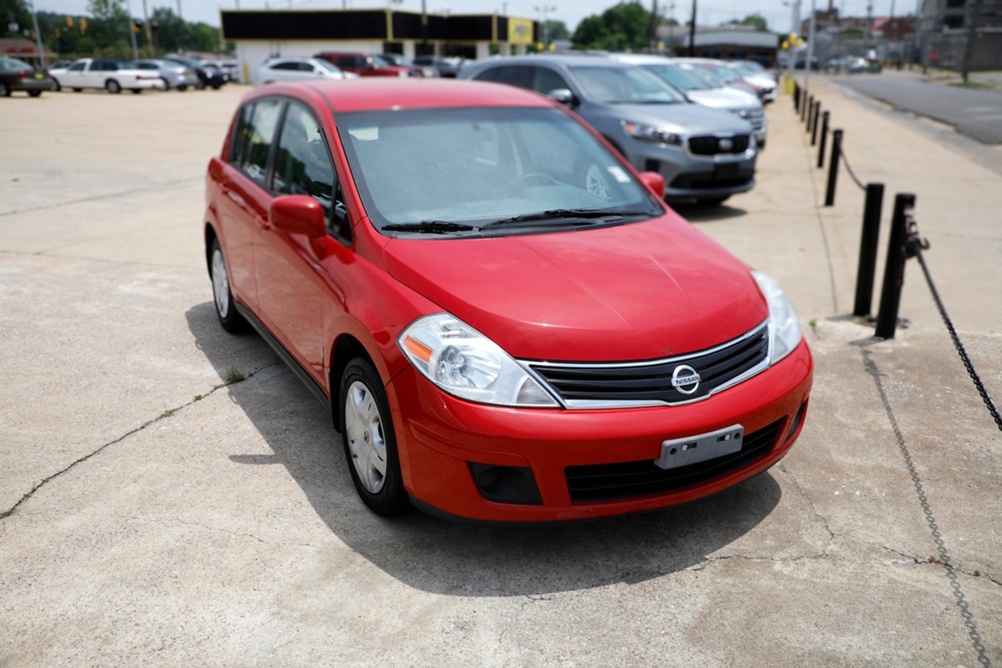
[{"x": 261, "y": 34}]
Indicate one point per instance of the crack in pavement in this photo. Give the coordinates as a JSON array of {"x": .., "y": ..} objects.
[
  {"x": 97, "y": 198},
  {"x": 814, "y": 509},
  {"x": 163, "y": 416}
]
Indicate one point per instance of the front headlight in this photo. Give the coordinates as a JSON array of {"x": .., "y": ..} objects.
[
  {"x": 465, "y": 363},
  {"x": 784, "y": 328},
  {"x": 652, "y": 134}
]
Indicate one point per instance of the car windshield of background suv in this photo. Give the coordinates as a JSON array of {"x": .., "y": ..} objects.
[
  {"x": 622, "y": 85},
  {"x": 474, "y": 169}
]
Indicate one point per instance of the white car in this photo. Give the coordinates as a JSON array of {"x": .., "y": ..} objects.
[
  {"x": 697, "y": 89},
  {"x": 172, "y": 75},
  {"x": 110, "y": 75},
  {"x": 294, "y": 68}
]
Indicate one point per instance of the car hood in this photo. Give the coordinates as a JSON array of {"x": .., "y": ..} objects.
[
  {"x": 638, "y": 291},
  {"x": 688, "y": 119}
]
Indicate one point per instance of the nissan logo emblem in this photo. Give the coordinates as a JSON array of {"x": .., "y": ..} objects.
[{"x": 685, "y": 379}]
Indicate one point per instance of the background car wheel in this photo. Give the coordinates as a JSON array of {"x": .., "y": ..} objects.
[
  {"x": 4, "y": 90},
  {"x": 34, "y": 93},
  {"x": 113, "y": 86},
  {"x": 137, "y": 91},
  {"x": 182, "y": 87},
  {"x": 166, "y": 83},
  {"x": 226, "y": 310},
  {"x": 77, "y": 90},
  {"x": 55, "y": 85},
  {"x": 369, "y": 440}
]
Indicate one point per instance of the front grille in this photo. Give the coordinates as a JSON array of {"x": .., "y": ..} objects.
[
  {"x": 649, "y": 383},
  {"x": 628, "y": 480},
  {"x": 712, "y": 145},
  {"x": 711, "y": 181}
]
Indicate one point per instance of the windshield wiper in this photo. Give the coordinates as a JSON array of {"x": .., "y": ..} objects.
[
  {"x": 430, "y": 227},
  {"x": 570, "y": 217}
]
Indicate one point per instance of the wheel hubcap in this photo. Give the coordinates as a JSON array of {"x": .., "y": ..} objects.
[
  {"x": 220, "y": 284},
  {"x": 364, "y": 433}
]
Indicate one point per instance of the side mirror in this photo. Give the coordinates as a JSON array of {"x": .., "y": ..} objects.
[
  {"x": 564, "y": 96},
  {"x": 298, "y": 214},
  {"x": 654, "y": 182}
]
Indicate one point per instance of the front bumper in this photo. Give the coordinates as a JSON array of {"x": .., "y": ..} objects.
[
  {"x": 696, "y": 177},
  {"x": 443, "y": 440}
]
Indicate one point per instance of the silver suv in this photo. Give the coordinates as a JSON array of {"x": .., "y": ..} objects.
[{"x": 703, "y": 154}]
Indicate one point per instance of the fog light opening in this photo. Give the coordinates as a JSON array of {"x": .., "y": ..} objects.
[
  {"x": 506, "y": 484},
  {"x": 798, "y": 420}
]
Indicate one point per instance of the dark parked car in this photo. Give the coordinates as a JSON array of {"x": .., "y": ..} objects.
[
  {"x": 211, "y": 77},
  {"x": 16, "y": 74},
  {"x": 447, "y": 67}
]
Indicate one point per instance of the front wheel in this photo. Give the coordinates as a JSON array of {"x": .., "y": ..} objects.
[
  {"x": 226, "y": 310},
  {"x": 369, "y": 442}
]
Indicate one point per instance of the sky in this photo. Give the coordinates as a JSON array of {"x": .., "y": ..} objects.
[{"x": 778, "y": 13}]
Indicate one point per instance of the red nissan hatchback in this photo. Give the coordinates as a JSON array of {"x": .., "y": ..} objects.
[{"x": 504, "y": 319}]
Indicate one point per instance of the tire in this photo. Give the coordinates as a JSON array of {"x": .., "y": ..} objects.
[
  {"x": 77, "y": 90},
  {"x": 34, "y": 93},
  {"x": 182, "y": 87},
  {"x": 113, "y": 86},
  {"x": 166, "y": 84},
  {"x": 370, "y": 444},
  {"x": 137, "y": 91},
  {"x": 4, "y": 90},
  {"x": 222, "y": 296},
  {"x": 55, "y": 85}
]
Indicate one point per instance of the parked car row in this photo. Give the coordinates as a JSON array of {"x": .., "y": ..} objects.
[
  {"x": 17, "y": 75},
  {"x": 168, "y": 72},
  {"x": 489, "y": 296}
]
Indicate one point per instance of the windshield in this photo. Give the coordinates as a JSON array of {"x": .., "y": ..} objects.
[
  {"x": 467, "y": 171},
  {"x": 327, "y": 65},
  {"x": 380, "y": 61},
  {"x": 625, "y": 85},
  {"x": 678, "y": 77},
  {"x": 725, "y": 73}
]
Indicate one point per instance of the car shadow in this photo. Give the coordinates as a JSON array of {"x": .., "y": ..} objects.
[
  {"x": 460, "y": 559},
  {"x": 695, "y": 212}
]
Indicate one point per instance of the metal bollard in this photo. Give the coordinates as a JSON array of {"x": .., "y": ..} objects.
[
  {"x": 796, "y": 96},
  {"x": 824, "y": 139},
  {"x": 810, "y": 116},
  {"x": 833, "y": 167},
  {"x": 814, "y": 123},
  {"x": 804, "y": 106},
  {"x": 868, "y": 249},
  {"x": 894, "y": 271}
]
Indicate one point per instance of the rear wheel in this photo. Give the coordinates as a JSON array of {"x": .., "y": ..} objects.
[
  {"x": 226, "y": 310},
  {"x": 34, "y": 93},
  {"x": 369, "y": 440},
  {"x": 137, "y": 91},
  {"x": 113, "y": 86}
]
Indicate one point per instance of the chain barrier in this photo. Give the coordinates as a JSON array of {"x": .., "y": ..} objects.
[
  {"x": 852, "y": 174},
  {"x": 913, "y": 248}
]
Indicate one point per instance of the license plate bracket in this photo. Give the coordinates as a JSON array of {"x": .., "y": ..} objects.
[{"x": 694, "y": 449}]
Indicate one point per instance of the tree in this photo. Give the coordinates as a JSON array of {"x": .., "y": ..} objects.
[
  {"x": 14, "y": 13},
  {"x": 555, "y": 30},
  {"x": 755, "y": 20},
  {"x": 625, "y": 26}
]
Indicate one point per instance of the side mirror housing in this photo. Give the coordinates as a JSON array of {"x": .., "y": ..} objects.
[
  {"x": 298, "y": 214},
  {"x": 654, "y": 182},
  {"x": 564, "y": 96}
]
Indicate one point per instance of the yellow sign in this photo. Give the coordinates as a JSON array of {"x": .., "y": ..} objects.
[{"x": 520, "y": 31}]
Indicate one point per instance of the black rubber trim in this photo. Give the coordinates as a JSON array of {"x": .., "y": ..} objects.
[{"x": 286, "y": 356}]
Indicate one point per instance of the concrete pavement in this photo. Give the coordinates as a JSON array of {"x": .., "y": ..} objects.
[{"x": 172, "y": 495}]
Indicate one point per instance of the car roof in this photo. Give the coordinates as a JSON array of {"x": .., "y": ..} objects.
[
  {"x": 569, "y": 59},
  {"x": 376, "y": 94}
]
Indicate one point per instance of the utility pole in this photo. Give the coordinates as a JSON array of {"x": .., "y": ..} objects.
[
  {"x": 38, "y": 36},
  {"x": 692, "y": 32},
  {"x": 149, "y": 31},
  {"x": 180, "y": 29},
  {"x": 972, "y": 34}
]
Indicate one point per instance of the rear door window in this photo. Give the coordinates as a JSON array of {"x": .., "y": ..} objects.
[{"x": 254, "y": 135}]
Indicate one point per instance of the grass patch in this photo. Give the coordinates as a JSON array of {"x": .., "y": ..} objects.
[
  {"x": 970, "y": 84},
  {"x": 234, "y": 375},
  {"x": 168, "y": 413}
]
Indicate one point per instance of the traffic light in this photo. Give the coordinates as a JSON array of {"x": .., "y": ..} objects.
[
  {"x": 83, "y": 26},
  {"x": 69, "y": 21},
  {"x": 137, "y": 26}
]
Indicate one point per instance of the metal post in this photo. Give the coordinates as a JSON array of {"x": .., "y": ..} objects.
[
  {"x": 824, "y": 139},
  {"x": 805, "y": 105},
  {"x": 814, "y": 123},
  {"x": 894, "y": 271},
  {"x": 868, "y": 249},
  {"x": 796, "y": 96},
  {"x": 833, "y": 167}
]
